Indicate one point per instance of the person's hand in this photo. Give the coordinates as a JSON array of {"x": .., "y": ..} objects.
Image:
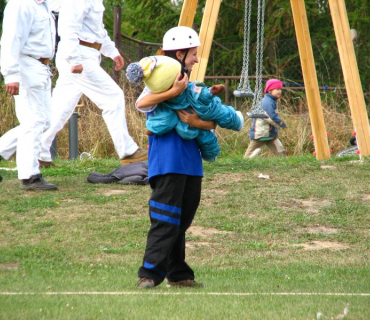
[
  {"x": 12, "y": 88},
  {"x": 180, "y": 84},
  {"x": 119, "y": 63},
  {"x": 191, "y": 119},
  {"x": 77, "y": 69}
]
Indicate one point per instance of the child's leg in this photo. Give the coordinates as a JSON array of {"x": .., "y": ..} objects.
[
  {"x": 276, "y": 147},
  {"x": 254, "y": 148},
  {"x": 208, "y": 145}
]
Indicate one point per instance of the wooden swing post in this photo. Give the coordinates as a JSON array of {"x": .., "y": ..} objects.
[
  {"x": 351, "y": 75},
  {"x": 310, "y": 79},
  {"x": 206, "y": 33},
  {"x": 188, "y": 13}
]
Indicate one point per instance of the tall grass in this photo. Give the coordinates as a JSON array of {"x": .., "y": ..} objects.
[{"x": 95, "y": 139}]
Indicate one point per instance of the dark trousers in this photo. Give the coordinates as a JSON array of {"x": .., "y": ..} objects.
[{"x": 172, "y": 206}]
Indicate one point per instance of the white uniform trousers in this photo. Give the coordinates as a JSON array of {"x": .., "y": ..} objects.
[
  {"x": 8, "y": 143},
  {"x": 32, "y": 107},
  {"x": 100, "y": 88}
]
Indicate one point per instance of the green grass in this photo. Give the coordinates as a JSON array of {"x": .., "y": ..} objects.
[{"x": 252, "y": 235}]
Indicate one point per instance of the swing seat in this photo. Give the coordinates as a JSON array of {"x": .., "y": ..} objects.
[
  {"x": 257, "y": 115},
  {"x": 243, "y": 94}
]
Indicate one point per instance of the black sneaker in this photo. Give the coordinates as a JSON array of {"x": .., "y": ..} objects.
[
  {"x": 1, "y": 178},
  {"x": 185, "y": 284},
  {"x": 145, "y": 283},
  {"x": 38, "y": 183}
]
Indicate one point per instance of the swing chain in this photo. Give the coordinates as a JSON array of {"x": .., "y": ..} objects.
[
  {"x": 258, "y": 95},
  {"x": 244, "y": 84}
]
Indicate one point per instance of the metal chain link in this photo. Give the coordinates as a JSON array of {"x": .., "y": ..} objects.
[
  {"x": 258, "y": 91},
  {"x": 244, "y": 84}
]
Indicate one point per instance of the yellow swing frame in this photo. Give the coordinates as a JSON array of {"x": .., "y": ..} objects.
[{"x": 347, "y": 57}]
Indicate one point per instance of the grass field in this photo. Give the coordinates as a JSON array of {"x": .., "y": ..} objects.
[{"x": 294, "y": 246}]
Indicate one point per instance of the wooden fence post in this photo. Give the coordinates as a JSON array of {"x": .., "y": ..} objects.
[{"x": 117, "y": 34}]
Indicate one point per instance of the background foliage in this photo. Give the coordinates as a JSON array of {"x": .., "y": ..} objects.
[{"x": 147, "y": 20}]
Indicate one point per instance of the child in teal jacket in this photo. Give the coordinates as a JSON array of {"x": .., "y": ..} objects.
[{"x": 162, "y": 70}]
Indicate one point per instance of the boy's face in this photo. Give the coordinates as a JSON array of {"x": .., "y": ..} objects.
[{"x": 276, "y": 93}]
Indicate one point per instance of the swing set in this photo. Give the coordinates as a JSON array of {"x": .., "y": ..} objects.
[{"x": 346, "y": 53}]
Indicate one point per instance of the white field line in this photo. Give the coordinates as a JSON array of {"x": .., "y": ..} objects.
[{"x": 150, "y": 292}]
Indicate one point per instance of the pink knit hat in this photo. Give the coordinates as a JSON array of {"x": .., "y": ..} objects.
[{"x": 273, "y": 84}]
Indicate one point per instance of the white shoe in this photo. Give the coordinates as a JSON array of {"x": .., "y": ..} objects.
[{"x": 240, "y": 115}]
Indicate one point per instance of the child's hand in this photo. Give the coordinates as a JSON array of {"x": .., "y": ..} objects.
[
  {"x": 191, "y": 119},
  {"x": 217, "y": 89},
  {"x": 180, "y": 84}
]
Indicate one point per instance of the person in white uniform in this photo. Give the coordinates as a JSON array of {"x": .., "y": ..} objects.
[
  {"x": 82, "y": 41},
  {"x": 27, "y": 45}
]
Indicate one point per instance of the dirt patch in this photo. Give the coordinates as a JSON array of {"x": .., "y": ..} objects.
[
  {"x": 9, "y": 266},
  {"x": 313, "y": 205},
  {"x": 205, "y": 232},
  {"x": 366, "y": 197},
  {"x": 229, "y": 179},
  {"x": 321, "y": 245},
  {"x": 319, "y": 229},
  {"x": 328, "y": 167},
  {"x": 113, "y": 192},
  {"x": 197, "y": 244}
]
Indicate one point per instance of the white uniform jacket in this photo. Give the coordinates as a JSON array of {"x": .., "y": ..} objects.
[
  {"x": 28, "y": 29},
  {"x": 82, "y": 20}
]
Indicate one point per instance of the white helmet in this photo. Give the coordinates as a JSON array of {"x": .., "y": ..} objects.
[{"x": 179, "y": 38}]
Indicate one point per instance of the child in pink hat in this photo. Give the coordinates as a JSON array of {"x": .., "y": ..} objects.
[{"x": 264, "y": 132}]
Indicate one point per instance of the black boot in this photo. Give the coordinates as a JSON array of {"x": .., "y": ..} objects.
[{"x": 37, "y": 182}]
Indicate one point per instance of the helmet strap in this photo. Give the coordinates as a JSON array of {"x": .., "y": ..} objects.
[{"x": 183, "y": 68}]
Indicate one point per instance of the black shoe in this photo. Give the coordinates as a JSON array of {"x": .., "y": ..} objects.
[
  {"x": 1, "y": 178},
  {"x": 37, "y": 182}
]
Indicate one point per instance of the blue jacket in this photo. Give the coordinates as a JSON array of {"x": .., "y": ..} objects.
[
  {"x": 269, "y": 105},
  {"x": 164, "y": 118}
]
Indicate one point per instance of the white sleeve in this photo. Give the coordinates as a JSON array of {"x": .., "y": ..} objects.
[
  {"x": 16, "y": 28},
  {"x": 145, "y": 92},
  {"x": 108, "y": 47}
]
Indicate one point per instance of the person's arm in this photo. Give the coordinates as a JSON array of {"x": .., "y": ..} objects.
[
  {"x": 270, "y": 110},
  {"x": 16, "y": 28},
  {"x": 153, "y": 99},
  {"x": 194, "y": 120}
]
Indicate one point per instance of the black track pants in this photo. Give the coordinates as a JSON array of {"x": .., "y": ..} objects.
[{"x": 172, "y": 206}]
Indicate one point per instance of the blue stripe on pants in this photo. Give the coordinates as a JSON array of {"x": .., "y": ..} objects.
[
  {"x": 164, "y": 218},
  {"x": 165, "y": 207},
  {"x": 149, "y": 266}
]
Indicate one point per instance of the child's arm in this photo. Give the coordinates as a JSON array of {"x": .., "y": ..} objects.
[
  {"x": 194, "y": 120},
  {"x": 274, "y": 115},
  {"x": 153, "y": 99}
]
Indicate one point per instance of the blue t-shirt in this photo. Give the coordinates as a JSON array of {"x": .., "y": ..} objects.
[{"x": 169, "y": 153}]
